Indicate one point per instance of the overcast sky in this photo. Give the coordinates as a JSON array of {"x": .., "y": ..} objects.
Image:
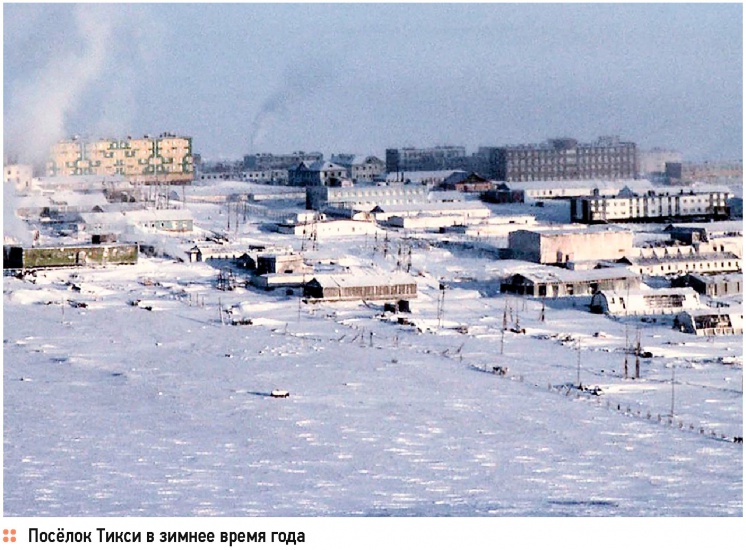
[{"x": 244, "y": 78}]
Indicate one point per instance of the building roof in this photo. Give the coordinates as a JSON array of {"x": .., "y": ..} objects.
[
  {"x": 639, "y": 186},
  {"x": 136, "y": 216},
  {"x": 433, "y": 207},
  {"x": 323, "y": 166},
  {"x": 716, "y": 278},
  {"x": 419, "y": 175},
  {"x": 734, "y": 227},
  {"x": 581, "y": 230},
  {"x": 551, "y": 274},
  {"x": 364, "y": 278}
]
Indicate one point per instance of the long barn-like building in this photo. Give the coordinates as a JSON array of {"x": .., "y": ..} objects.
[
  {"x": 332, "y": 287},
  {"x": 18, "y": 257}
]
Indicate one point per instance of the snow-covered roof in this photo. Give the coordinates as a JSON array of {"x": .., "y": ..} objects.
[
  {"x": 580, "y": 230},
  {"x": 166, "y": 214},
  {"x": 638, "y": 186},
  {"x": 419, "y": 175},
  {"x": 727, "y": 226},
  {"x": 717, "y": 278},
  {"x": 323, "y": 166},
  {"x": 363, "y": 278},
  {"x": 551, "y": 274},
  {"x": 136, "y": 216},
  {"x": 464, "y": 206}
]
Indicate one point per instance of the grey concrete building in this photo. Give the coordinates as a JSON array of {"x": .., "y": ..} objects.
[{"x": 562, "y": 159}]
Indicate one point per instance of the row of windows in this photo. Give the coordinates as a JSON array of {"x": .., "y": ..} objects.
[{"x": 701, "y": 265}]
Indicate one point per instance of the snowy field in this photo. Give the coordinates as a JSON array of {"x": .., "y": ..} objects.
[{"x": 145, "y": 403}]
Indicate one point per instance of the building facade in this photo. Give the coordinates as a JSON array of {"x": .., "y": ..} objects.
[
  {"x": 320, "y": 173},
  {"x": 674, "y": 260},
  {"x": 361, "y": 168},
  {"x": 712, "y": 286},
  {"x": 269, "y": 161},
  {"x": 651, "y": 301},
  {"x": 365, "y": 197},
  {"x": 555, "y": 282},
  {"x": 333, "y": 287},
  {"x": 563, "y": 247},
  {"x": 166, "y": 159},
  {"x": 18, "y": 175},
  {"x": 710, "y": 322},
  {"x": 562, "y": 159},
  {"x": 676, "y": 204},
  {"x": 411, "y": 159}
]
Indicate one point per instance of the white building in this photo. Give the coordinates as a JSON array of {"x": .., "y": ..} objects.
[
  {"x": 569, "y": 245},
  {"x": 361, "y": 286},
  {"x": 661, "y": 204},
  {"x": 652, "y": 301},
  {"x": 670, "y": 260},
  {"x": 18, "y": 175},
  {"x": 317, "y": 173},
  {"x": 540, "y": 190},
  {"x": 365, "y": 197},
  {"x": 361, "y": 168},
  {"x": 121, "y": 222},
  {"x": 328, "y": 228},
  {"x": 710, "y": 322},
  {"x": 462, "y": 212}
]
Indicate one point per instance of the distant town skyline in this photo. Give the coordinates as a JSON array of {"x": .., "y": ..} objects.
[{"x": 360, "y": 78}]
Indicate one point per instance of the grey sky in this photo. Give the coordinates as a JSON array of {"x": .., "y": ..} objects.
[{"x": 358, "y": 78}]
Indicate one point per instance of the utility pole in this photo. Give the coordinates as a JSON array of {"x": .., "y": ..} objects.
[
  {"x": 578, "y": 363},
  {"x": 673, "y": 383},
  {"x": 626, "y": 349},
  {"x": 441, "y": 303},
  {"x": 638, "y": 351}
]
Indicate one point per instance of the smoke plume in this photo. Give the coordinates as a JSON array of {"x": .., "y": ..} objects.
[{"x": 84, "y": 65}]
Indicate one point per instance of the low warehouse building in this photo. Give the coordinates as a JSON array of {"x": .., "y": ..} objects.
[
  {"x": 652, "y": 301},
  {"x": 555, "y": 282},
  {"x": 565, "y": 246},
  {"x": 393, "y": 286},
  {"x": 712, "y": 285},
  {"x": 17, "y": 257},
  {"x": 709, "y": 323},
  {"x": 682, "y": 259}
]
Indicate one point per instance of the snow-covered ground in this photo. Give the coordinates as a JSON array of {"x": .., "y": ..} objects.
[{"x": 148, "y": 403}]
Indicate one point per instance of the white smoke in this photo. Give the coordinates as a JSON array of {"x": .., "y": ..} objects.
[
  {"x": 39, "y": 106},
  {"x": 15, "y": 230}
]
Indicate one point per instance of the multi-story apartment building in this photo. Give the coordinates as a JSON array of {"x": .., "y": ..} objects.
[
  {"x": 410, "y": 159},
  {"x": 165, "y": 159},
  {"x": 361, "y": 167},
  {"x": 561, "y": 159},
  {"x": 317, "y": 173},
  {"x": 673, "y": 204},
  {"x": 269, "y": 161},
  {"x": 18, "y": 175}
]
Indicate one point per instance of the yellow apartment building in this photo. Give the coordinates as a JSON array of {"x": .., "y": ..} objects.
[{"x": 165, "y": 159}]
